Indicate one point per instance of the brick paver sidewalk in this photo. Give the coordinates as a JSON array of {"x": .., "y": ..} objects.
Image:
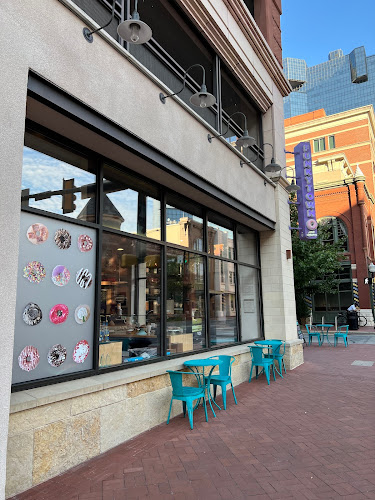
[{"x": 311, "y": 435}]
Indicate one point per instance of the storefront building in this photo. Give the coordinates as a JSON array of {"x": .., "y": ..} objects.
[
  {"x": 343, "y": 153},
  {"x": 135, "y": 240}
]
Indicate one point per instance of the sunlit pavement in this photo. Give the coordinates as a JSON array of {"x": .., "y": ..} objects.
[{"x": 310, "y": 435}]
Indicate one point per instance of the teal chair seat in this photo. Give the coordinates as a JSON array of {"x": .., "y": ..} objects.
[
  {"x": 314, "y": 332},
  {"x": 224, "y": 378},
  {"x": 342, "y": 333},
  {"x": 186, "y": 394},
  {"x": 278, "y": 351},
  {"x": 257, "y": 359}
]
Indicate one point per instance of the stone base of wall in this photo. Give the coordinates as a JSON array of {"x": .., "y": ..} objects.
[{"x": 54, "y": 428}]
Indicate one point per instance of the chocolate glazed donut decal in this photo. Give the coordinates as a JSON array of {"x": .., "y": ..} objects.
[{"x": 84, "y": 278}]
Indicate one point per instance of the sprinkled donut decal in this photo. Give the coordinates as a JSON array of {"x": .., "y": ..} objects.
[
  {"x": 84, "y": 278},
  {"x": 37, "y": 234},
  {"x": 60, "y": 276},
  {"x": 81, "y": 351},
  {"x": 56, "y": 355},
  {"x": 85, "y": 243},
  {"x": 32, "y": 314},
  {"x": 34, "y": 271},
  {"x": 29, "y": 358},
  {"x": 82, "y": 313},
  {"x": 58, "y": 314},
  {"x": 63, "y": 239}
]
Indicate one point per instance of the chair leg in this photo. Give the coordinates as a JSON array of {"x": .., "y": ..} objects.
[
  {"x": 280, "y": 361},
  {"x": 251, "y": 372},
  {"x": 224, "y": 395},
  {"x": 184, "y": 408},
  {"x": 205, "y": 409},
  {"x": 283, "y": 363},
  {"x": 170, "y": 409},
  {"x": 334, "y": 341},
  {"x": 234, "y": 395},
  {"x": 273, "y": 372},
  {"x": 190, "y": 413},
  {"x": 346, "y": 341},
  {"x": 267, "y": 372},
  {"x": 215, "y": 388},
  {"x": 256, "y": 372}
]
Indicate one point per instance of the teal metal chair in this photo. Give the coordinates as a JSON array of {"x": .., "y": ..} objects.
[
  {"x": 186, "y": 394},
  {"x": 313, "y": 332},
  {"x": 224, "y": 378},
  {"x": 342, "y": 332},
  {"x": 257, "y": 359},
  {"x": 277, "y": 354}
]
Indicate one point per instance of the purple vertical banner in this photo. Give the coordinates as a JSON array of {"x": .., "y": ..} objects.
[{"x": 305, "y": 196}]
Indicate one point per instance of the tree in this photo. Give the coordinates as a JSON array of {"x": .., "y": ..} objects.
[{"x": 316, "y": 263}]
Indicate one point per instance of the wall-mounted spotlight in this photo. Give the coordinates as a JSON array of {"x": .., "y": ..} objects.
[
  {"x": 245, "y": 141},
  {"x": 132, "y": 30},
  {"x": 202, "y": 99},
  {"x": 273, "y": 166}
]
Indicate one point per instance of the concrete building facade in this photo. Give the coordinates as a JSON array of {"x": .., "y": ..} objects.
[{"x": 99, "y": 301}]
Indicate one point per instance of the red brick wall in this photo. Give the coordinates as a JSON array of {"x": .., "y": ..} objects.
[{"x": 267, "y": 16}]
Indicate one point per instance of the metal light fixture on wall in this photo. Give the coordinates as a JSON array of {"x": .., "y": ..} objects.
[
  {"x": 87, "y": 33},
  {"x": 134, "y": 30},
  {"x": 245, "y": 141},
  {"x": 273, "y": 166},
  {"x": 201, "y": 99}
]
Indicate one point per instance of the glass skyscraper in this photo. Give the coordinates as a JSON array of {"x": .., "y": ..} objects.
[{"x": 341, "y": 83}]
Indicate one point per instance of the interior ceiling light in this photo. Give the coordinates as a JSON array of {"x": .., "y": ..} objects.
[
  {"x": 245, "y": 141},
  {"x": 201, "y": 99}
]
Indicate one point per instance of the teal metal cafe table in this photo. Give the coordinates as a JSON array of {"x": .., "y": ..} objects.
[
  {"x": 270, "y": 344},
  {"x": 204, "y": 381},
  {"x": 325, "y": 329}
]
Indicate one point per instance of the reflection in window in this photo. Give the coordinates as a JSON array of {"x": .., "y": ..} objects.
[
  {"x": 130, "y": 296},
  {"x": 223, "y": 325},
  {"x": 184, "y": 229},
  {"x": 247, "y": 245},
  {"x": 185, "y": 302},
  {"x": 220, "y": 241},
  {"x": 130, "y": 204},
  {"x": 56, "y": 179},
  {"x": 249, "y": 294}
]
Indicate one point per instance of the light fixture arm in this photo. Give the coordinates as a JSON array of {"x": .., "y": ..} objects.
[
  {"x": 88, "y": 33},
  {"x": 163, "y": 97},
  {"x": 210, "y": 137}
]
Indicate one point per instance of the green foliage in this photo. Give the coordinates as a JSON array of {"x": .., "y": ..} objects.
[{"x": 316, "y": 263}]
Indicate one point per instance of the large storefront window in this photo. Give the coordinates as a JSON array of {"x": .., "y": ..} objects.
[{"x": 121, "y": 273}]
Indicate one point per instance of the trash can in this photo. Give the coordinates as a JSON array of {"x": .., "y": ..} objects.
[{"x": 352, "y": 320}]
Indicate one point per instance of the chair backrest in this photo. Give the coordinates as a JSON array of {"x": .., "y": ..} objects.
[
  {"x": 256, "y": 354},
  {"x": 225, "y": 367},
  {"x": 276, "y": 347},
  {"x": 311, "y": 328},
  {"x": 343, "y": 329},
  {"x": 176, "y": 381}
]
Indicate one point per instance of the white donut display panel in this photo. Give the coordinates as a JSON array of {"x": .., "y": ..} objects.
[{"x": 46, "y": 336}]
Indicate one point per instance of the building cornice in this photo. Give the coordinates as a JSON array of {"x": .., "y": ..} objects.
[{"x": 202, "y": 18}]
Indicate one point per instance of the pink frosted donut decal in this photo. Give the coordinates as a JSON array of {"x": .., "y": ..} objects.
[
  {"x": 81, "y": 351},
  {"x": 60, "y": 276},
  {"x": 37, "y": 234},
  {"x": 84, "y": 278},
  {"x": 85, "y": 243},
  {"x": 28, "y": 358},
  {"x": 34, "y": 271},
  {"x": 58, "y": 313}
]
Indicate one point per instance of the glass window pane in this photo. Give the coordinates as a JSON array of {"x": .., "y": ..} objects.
[
  {"x": 130, "y": 204},
  {"x": 331, "y": 141},
  {"x": 130, "y": 299},
  {"x": 249, "y": 300},
  {"x": 316, "y": 145},
  {"x": 184, "y": 228},
  {"x": 322, "y": 144},
  {"x": 332, "y": 301},
  {"x": 346, "y": 300},
  {"x": 220, "y": 241},
  {"x": 320, "y": 302},
  {"x": 186, "y": 329},
  {"x": 57, "y": 180},
  {"x": 247, "y": 249},
  {"x": 223, "y": 325}
]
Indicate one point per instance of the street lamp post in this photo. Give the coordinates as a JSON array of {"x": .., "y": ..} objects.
[{"x": 371, "y": 270}]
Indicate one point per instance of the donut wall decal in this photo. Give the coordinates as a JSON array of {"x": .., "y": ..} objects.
[
  {"x": 58, "y": 314},
  {"x": 56, "y": 355},
  {"x": 81, "y": 351},
  {"x": 85, "y": 243},
  {"x": 32, "y": 314},
  {"x": 34, "y": 271},
  {"x": 84, "y": 278},
  {"x": 82, "y": 313},
  {"x": 37, "y": 233},
  {"x": 29, "y": 358},
  {"x": 63, "y": 239},
  {"x": 60, "y": 276}
]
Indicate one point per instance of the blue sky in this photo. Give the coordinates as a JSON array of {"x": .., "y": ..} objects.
[{"x": 312, "y": 29}]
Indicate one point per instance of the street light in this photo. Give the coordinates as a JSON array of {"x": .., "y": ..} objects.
[{"x": 371, "y": 270}]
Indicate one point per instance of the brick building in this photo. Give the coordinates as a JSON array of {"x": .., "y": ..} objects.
[{"x": 343, "y": 150}]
